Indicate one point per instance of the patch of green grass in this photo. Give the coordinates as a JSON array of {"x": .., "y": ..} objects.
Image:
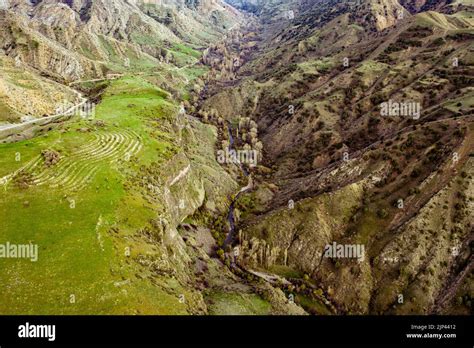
[
  {"x": 182, "y": 59},
  {"x": 69, "y": 248},
  {"x": 324, "y": 64},
  {"x": 369, "y": 225},
  {"x": 356, "y": 27},
  {"x": 371, "y": 66},
  {"x": 466, "y": 102},
  {"x": 221, "y": 303},
  {"x": 117, "y": 60},
  {"x": 193, "y": 73},
  {"x": 187, "y": 50}
]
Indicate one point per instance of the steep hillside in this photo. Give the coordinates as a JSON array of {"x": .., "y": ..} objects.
[
  {"x": 338, "y": 167},
  {"x": 84, "y": 40}
]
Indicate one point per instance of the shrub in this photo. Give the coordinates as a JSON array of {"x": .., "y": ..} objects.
[{"x": 382, "y": 213}]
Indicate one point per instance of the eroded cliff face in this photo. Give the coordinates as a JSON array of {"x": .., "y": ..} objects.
[
  {"x": 21, "y": 42},
  {"x": 175, "y": 190},
  {"x": 384, "y": 13},
  {"x": 24, "y": 93}
]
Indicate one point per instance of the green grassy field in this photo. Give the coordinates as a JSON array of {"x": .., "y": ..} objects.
[{"x": 79, "y": 260}]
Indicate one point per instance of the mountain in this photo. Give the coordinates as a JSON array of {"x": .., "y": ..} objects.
[
  {"x": 315, "y": 84},
  {"x": 69, "y": 41},
  {"x": 285, "y": 157}
]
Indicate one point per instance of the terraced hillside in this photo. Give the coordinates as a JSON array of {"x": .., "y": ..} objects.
[{"x": 74, "y": 171}]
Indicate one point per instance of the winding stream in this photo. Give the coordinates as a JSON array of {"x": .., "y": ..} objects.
[{"x": 230, "y": 216}]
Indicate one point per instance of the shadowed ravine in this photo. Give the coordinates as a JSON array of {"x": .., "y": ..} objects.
[{"x": 230, "y": 217}]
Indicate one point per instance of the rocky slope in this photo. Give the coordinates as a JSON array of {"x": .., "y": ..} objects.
[{"x": 337, "y": 169}]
